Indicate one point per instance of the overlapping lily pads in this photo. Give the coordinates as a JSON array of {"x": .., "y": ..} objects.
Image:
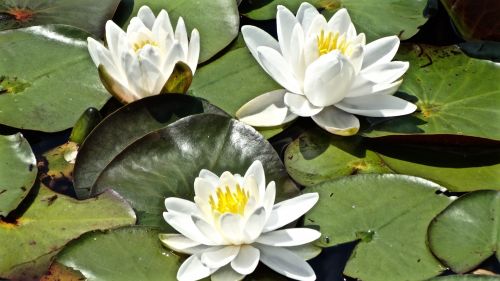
[
  {"x": 389, "y": 214},
  {"x": 374, "y": 18},
  {"x": 468, "y": 231},
  {"x": 166, "y": 162},
  {"x": 89, "y": 15},
  {"x": 455, "y": 94},
  {"x": 48, "y": 224},
  {"x": 316, "y": 156},
  {"x": 127, "y": 125},
  {"x": 17, "y": 171},
  {"x": 216, "y": 20},
  {"x": 47, "y": 79}
]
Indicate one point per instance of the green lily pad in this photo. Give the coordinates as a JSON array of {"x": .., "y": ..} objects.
[
  {"x": 17, "y": 171},
  {"x": 166, "y": 162},
  {"x": 90, "y": 15},
  {"x": 468, "y": 231},
  {"x": 473, "y": 21},
  {"x": 47, "y": 79},
  {"x": 392, "y": 17},
  {"x": 317, "y": 156},
  {"x": 389, "y": 214},
  {"x": 468, "y": 277},
  {"x": 455, "y": 94},
  {"x": 127, "y": 125},
  {"x": 216, "y": 20},
  {"x": 131, "y": 253},
  {"x": 48, "y": 224},
  {"x": 233, "y": 80}
]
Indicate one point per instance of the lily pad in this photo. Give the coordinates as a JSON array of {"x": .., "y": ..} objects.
[
  {"x": 47, "y": 79},
  {"x": 375, "y": 18},
  {"x": 132, "y": 253},
  {"x": 475, "y": 20},
  {"x": 90, "y": 15},
  {"x": 233, "y": 80},
  {"x": 17, "y": 171},
  {"x": 217, "y": 20},
  {"x": 468, "y": 231},
  {"x": 165, "y": 163},
  {"x": 48, "y": 224},
  {"x": 127, "y": 125},
  {"x": 455, "y": 94},
  {"x": 389, "y": 214},
  {"x": 468, "y": 277},
  {"x": 317, "y": 156}
]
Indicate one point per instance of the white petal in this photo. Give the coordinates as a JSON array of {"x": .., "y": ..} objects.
[
  {"x": 289, "y": 210},
  {"x": 231, "y": 226},
  {"x": 285, "y": 22},
  {"x": 228, "y": 180},
  {"x": 356, "y": 58},
  {"x": 300, "y": 105},
  {"x": 254, "y": 225},
  {"x": 363, "y": 87},
  {"x": 180, "y": 243},
  {"x": 203, "y": 188},
  {"x": 102, "y": 56},
  {"x": 256, "y": 171},
  {"x": 114, "y": 37},
  {"x": 179, "y": 205},
  {"x": 162, "y": 24},
  {"x": 194, "y": 50},
  {"x": 306, "y": 14},
  {"x": 185, "y": 226},
  {"x": 266, "y": 110},
  {"x": 208, "y": 230},
  {"x": 175, "y": 54},
  {"x": 296, "y": 56},
  {"x": 277, "y": 67},
  {"x": 318, "y": 23},
  {"x": 219, "y": 256},
  {"x": 133, "y": 71},
  {"x": 147, "y": 16},
  {"x": 311, "y": 52},
  {"x": 211, "y": 177},
  {"x": 306, "y": 252},
  {"x": 380, "y": 51},
  {"x": 269, "y": 198},
  {"x": 377, "y": 106},
  {"x": 286, "y": 263},
  {"x": 386, "y": 72},
  {"x": 255, "y": 37},
  {"x": 181, "y": 35},
  {"x": 289, "y": 237},
  {"x": 192, "y": 269},
  {"x": 328, "y": 79},
  {"x": 136, "y": 25},
  {"x": 226, "y": 273},
  {"x": 247, "y": 260},
  {"x": 337, "y": 121},
  {"x": 152, "y": 78},
  {"x": 340, "y": 22}
]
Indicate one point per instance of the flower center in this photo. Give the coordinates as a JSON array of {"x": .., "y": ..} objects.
[
  {"x": 329, "y": 41},
  {"x": 141, "y": 44},
  {"x": 229, "y": 201}
]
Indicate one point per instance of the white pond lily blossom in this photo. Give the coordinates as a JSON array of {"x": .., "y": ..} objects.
[
  {"x": 327, "y": 70},
  {"x": 233, "y": 224},
  {"x": 138, "y": 63}
]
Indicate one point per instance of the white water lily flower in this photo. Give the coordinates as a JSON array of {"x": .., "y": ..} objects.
[
  {"x": 139, "y": 62},
  {"x": 327, "y": 72},
  {"x": 233, "y": 223}
]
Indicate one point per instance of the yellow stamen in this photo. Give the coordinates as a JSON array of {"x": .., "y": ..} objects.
[
  {"x": 141, "y": 44},
  {"x": 229, "y": 202},
  {"x": 329, "y": 41}
]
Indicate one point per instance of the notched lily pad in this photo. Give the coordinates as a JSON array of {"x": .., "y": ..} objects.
[
  {"x": 468, "y": 231},
  {"x": 389, "y": 214},
  {"x": 17, "y": 171}
]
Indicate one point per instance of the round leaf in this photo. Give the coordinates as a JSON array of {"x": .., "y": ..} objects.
[
  {"x": 132, "y": 253},
  {"x": 17, "y": 171},
  {"x": 389, "y": 214},
  {"x": 455, "y": 94},
  {"x": 127, "y": 125},
  {"x": 47, "y": 79},
  {"x": 468, "y": 277},
  {"x": 468, "y": 231},
  {"x": 216, "y": 20},
  {"x": 90, "y": 15},
  {"x": 391, "y": 17},
  {"x": 49, "y": 223},
  {"x": 166, "y": 162},
  {"x": 232, "y": 81}
]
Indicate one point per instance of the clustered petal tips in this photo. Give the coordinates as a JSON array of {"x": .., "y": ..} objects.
[
  {"x": 138, "y": 63},
  {"x": 327, "y": 70},
  {"x": 233, "y": 224}
]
